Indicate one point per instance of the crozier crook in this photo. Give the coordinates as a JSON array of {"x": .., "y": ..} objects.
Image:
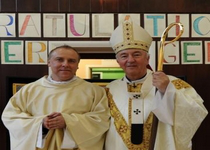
[{"x": 162, "y": 42}]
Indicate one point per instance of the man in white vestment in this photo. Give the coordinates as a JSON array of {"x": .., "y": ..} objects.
[
  {"x": 60, "y": 111},
  {"x": 143, "y": 95}
]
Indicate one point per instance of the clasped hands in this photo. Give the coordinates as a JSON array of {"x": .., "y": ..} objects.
[
  {"x": 54, "y": 120},
  {"x": 160, "y": 81}
]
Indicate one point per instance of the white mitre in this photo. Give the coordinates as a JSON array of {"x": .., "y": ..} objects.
[{"x": 130, "y": 35}]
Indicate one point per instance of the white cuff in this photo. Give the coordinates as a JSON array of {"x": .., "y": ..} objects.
[{"x": 40, "y": 140}]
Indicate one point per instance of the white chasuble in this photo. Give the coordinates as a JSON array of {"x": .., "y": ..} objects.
[{"x": 180, "y": 112}]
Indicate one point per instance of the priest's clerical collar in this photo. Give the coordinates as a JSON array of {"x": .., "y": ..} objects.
[
  {"x": 135, "y": 80},
  {"x": 49, "y": 78}
]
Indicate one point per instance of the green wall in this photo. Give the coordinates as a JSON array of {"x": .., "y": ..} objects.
[{"x": 108, "y": 73}]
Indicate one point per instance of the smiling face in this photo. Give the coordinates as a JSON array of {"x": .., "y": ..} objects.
[
  {"x": 134, "y": 62},
  {"x": 64, "y": 63}
]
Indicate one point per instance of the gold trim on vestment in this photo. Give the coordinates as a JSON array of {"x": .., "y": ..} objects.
[
  {"x": 124, "y": 130},
  {"x": 179, "y": 84}
]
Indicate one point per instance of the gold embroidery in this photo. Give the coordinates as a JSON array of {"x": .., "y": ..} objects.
[
  {"x": 134, "y": 87},
  {"x": 129, "y": 41},
  {"x": 124, "y": 130},
  {"x": 179, "y": 84}
]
